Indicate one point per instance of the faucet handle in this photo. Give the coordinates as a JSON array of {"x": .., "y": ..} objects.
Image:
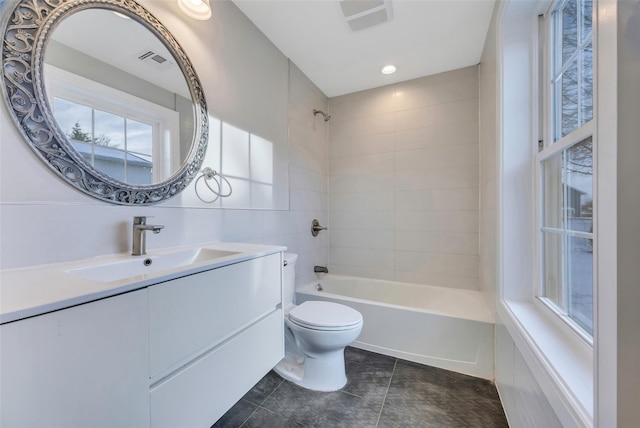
[{"x": 141, "y": 219}]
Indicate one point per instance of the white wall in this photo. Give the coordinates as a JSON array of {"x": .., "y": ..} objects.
[
  {"x": 617, "y": 313},
  {"x": 246, "y": 83},
  {"x": 488, "y": 89},
  {"x": 403, "y": 181}
]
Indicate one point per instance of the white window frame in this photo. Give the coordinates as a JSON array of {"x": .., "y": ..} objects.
[
  {"x": 561, "y": 361},
  {"x": 165, "y": 122},
  {"x": 554, "y": 144}
]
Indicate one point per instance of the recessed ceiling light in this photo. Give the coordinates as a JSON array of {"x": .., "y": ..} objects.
[
  {"x": 388, "y": 69},
  {"x": 197, "y": 9}
]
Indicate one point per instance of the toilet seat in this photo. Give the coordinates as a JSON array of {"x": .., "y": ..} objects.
[{"x": 326, "y": 316}]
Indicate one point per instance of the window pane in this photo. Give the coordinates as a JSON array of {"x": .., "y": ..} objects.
[
  {"x": 569, "y": 98},
  {"x": 579, "y": 186},
  {"x": 580, "y": 282},
  {"x": 139, "y": 137},
  {"x": 109, "y": 144},
  {"x": 553, "y": 273},
  {"x": 109, "y": 130},
  {"x": 74, "y": 119},
  {"x": 586, "y": 84},
  {"x": 569, "y": 29},
  {"x": 552, "y": 173}
]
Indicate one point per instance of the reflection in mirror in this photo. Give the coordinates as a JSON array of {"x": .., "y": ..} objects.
[
  {"x": 247, "y": 163},
  {"x": 130, "y": 124},
  {"x": 119, "y": 96}
]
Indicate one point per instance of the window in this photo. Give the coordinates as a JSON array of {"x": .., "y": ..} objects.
[
  {"x": 118, "y": 146},
  {"x": 126, "y": 137},
  {"x": 565, "y": 161}
]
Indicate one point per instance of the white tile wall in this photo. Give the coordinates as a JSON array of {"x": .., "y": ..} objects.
[
  {"x": 524, "y": 403},
  {"x": 404, "y": 181}
]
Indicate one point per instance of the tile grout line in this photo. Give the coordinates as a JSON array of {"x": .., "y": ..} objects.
[
  {"x": 259, "y": 406},
  {"x": 386, "y": 392}
]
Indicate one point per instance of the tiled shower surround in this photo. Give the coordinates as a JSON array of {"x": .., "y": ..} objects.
[{"x": 403, "y": 181}]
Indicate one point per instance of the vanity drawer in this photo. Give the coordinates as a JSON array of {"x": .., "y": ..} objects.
[
  {"x": 190, "y": 315},
  {"x": 201, "y": 393}
]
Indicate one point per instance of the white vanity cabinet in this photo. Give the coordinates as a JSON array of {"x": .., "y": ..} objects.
[
  {"x": 85, "y": 366},
  {"x": 212, "y": 336},
  {"x": 178, "y": 352}
]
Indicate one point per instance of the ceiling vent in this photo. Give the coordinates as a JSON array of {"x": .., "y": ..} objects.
[
  {"x": 157, "y": 61},
  {"x": 361, "y": 14}
]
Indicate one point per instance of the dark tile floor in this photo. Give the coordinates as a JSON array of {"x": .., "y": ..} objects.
[{"x": 381, "y": 391}]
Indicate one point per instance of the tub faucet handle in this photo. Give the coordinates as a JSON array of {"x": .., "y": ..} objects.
[
  {"x": 318, "y": 269},
  {"x": 316, "y": 228}
]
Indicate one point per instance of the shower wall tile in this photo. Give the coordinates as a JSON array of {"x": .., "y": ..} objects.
[
  {"x": 434, "y": 221},
  {"x": 437, "y": 199},
  {"x": 363, "y": 164},
  {"x": 349, "y": 238},
  {"x": 362, "y": 272},
  {"x": 363, "y": 257},
  {"x": 403, "y": 181},
  {"x": 445, "y": 135},
  {"x": 360, "y": 220},
  {"x": 365, "y": 182},
  {"x": 305, "y": 158},
  {"x": 372, "y": 125},
  {"x": 305, "y": 179},
  {"x": 464, "y": 177},
  {"x": 363, "y": 104},
  {"x": 437, "y": 242},
  {"x": 437, "y": 157},
  {"x": 369, "y": 201},
  {"x": 416, "y": 96},
  {"x": 438, "y": 264},
  {"x": 362, "y": 144}
]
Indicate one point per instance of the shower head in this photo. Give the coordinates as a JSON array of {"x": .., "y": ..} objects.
[{"x": 325, "y": 115}]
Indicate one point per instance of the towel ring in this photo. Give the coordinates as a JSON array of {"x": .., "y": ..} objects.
[{"x": 211, "y": 174}]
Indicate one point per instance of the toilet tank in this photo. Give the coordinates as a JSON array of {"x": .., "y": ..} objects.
[{"x": 289, "y": 279}]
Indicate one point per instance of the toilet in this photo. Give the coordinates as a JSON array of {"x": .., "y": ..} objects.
[{"x": 316, "y": 334}]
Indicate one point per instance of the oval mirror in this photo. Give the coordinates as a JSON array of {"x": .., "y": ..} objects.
[{"x": 106, "y": 97}]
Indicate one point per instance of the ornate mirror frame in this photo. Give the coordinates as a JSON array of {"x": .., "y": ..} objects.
[{"x": 25, "y": 39}]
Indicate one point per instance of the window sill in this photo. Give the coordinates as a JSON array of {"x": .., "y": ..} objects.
[{"x": 560, "y": 360}]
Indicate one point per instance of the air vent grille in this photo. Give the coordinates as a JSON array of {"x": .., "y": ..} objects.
[
  {"x": 154, "y": 59},
  {"x": 361, "y": 14}
]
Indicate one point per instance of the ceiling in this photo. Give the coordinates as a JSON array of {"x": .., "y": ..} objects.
[
  {"x": 423, "y": 37},
  {"x": 119, "y": 42}
]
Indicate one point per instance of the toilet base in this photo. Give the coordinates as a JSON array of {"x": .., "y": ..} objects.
[{"x": 319, "y": 374}]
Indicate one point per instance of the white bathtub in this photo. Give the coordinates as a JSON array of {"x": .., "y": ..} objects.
[{"x": 448, "y": 328}]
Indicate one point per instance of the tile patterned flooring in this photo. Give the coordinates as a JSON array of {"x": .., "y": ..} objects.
[{"x": 381, "y": 392}]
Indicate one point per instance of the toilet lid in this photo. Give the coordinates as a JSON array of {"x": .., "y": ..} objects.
[{"x": 325, "y": 315}]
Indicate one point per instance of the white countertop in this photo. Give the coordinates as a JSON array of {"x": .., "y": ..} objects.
[{"x": 35, "y": 290}]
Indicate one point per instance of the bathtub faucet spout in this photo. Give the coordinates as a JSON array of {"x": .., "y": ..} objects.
[{"x": 318, "y": 269}]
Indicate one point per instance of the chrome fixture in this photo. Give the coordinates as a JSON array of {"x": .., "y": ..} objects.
[
  {"x": 320, "y": 269},
  {"x": 211, "y": 174},
  {"x": 325, "y": 115},
  {"x": 319, "y": 287},
  {"x": 316, "y": 228},
  {"x": 140, "y": 226}
]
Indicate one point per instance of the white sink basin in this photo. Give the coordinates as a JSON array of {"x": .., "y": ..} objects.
[{"x": 132, "y": 266}]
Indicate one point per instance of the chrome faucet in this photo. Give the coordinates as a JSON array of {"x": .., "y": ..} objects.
[
  {"x": 140, "y": 226},
  {"x": 319, "y": 269}
]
